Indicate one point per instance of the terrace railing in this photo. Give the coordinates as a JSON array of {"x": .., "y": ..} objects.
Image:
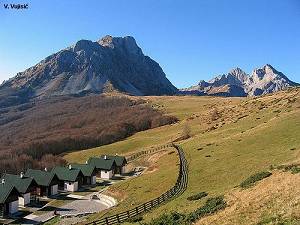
[{"x": 179, "y": 187}]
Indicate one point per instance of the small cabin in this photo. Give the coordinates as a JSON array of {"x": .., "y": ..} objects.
[
  {"x": 120, "y": 161},
  {"x": 70, "y": 179},
  {"x": 88, "y": 171},
  {"x": 47, "y": 182},
  {"x": 105, "y": 167},
  {"x": 26, "y": 186},
  {"x": 9, "y": 199}
]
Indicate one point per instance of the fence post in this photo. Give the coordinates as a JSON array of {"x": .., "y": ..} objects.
[{"x": 106, "y": 221}]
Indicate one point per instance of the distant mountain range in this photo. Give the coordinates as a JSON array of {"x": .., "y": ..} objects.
[
  {"x": 239, "y": 84},
  {"x": 118, "y": 63}
]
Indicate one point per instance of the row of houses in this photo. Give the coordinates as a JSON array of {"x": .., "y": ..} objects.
[{"x": 21, "y": 190}]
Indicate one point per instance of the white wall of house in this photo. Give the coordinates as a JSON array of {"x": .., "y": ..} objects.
[
  {"x": 71, "y": 186},
  {"x": 13, "y": 207},
  {"x": 54, "y": 189},
  {"x": 106, "y": 174},
  {"x": 24, "y": 199},
  {"x": 123, "y": 170},
  {"x": 93, "y": 180}
]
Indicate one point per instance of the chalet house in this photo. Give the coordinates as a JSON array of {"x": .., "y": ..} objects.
[
  {"x": 47, "y": 182},
  {"x": 26, "y": 186},
  {"x": 120, "y": 163},
  {"x": 88, "y": 171},
  {"x": 70, "y": 179},
  {"x": 9, "y": 199},
  {"x": 105, "y": 167}
]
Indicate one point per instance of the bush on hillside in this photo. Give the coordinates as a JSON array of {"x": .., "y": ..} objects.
[
  {"x": 249, "y": 182},
  {"x": 174, "y": 218},
  {"x": 294, "y": 168},
  {"x": 197, "y": 196},
  {"x": 211, "y": 206}
]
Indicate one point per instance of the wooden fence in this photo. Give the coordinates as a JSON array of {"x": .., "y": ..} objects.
[
  {"x": 179, "y": 187},
  {"x": 148, "y": 151}
]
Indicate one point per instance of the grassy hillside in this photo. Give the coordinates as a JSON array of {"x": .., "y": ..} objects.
[
  {"x": 232, "y": 138},
  {"x": 275, "y": 200}
]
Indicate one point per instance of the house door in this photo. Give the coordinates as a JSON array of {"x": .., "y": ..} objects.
[{"x": 2, "y": 211}]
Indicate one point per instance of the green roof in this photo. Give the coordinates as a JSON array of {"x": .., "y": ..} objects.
[
  {"x": 42, "y": 178},
  {"x": 101, "y": 163},
  {"x": 86, "y": 169},
  {"x": 5, "y": 190},
  {"x": 120, "y": 160},
  {"x": 66, "y": 174},
  {"x": 21, "y": 184}
]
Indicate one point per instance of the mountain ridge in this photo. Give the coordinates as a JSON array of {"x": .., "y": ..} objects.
[
  {"x": 119, "y": 64},
  {"x": 238, "y": 83}
]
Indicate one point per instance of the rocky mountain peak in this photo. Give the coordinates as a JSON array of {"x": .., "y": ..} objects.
[
  {"x": 126, "y": 43},
  {"x": 267, "y": 72},
  {"x": 87, "y": 66},
  {"x": 236, "y": 71},
  {"x": 239, "y": 74},
  {"x": 106, "y": 41}
]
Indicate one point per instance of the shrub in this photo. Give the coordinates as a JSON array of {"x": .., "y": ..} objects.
[
  {"x": 173, "y": 218},
  {"x": 254, "y": 178},
  {"x": 211, "y": 206},
  {"x": 294, "y": 168},
  {"x": 197, "y": 196}
]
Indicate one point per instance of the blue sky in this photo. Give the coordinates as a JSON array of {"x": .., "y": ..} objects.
[{"x": 191, "y": 40}]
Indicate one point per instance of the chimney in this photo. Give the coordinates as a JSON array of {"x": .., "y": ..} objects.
[
  {"x": 70, "y": 167},
  {"x": 105, "y": 157},
  {"x": 86, "y": 162},
  {"x": 21, "y": 175},
  {"x": 3, "y": 181},
  {"x": 46, "y": 169}
]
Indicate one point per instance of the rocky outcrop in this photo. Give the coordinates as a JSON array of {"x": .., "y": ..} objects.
[
  {"x": 237, "y": 83},
  {"x": 94, "y": 67}
]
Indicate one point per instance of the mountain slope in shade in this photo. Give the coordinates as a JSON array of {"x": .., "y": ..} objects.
[
  {"x": 110, "y": 63},
  {"x": 237, "y": 83}
]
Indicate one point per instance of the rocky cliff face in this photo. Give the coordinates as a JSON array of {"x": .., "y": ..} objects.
[
  {"x": 237, "y": 83},
  {"x": 109, "y": 63}
]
